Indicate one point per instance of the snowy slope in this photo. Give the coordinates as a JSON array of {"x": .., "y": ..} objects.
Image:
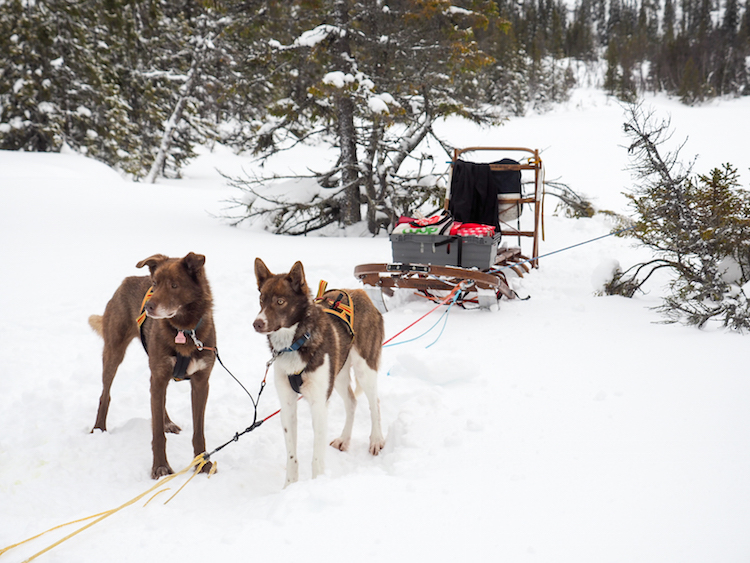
[{"x": 565, "y": 428}]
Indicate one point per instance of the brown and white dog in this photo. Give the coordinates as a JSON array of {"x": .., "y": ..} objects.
[
  {"x": 318, "y": 351},
  {"x": 179, "y": 337}
]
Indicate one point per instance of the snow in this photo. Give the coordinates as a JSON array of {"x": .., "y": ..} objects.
[
  {"x": 377, "y": 105},
  {"x": 311, "y": 37},
  {"x": 338, "y": 79},
  {"x": 604, "y": 273},
  {"x": 564, "y": 428}
]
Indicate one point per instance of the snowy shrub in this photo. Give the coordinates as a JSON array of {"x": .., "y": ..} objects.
[{"x": 698, "y": 227}]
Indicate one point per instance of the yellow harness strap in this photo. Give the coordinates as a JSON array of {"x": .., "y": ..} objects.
[
  {"x": 344, "y": 311},
  {"x": 142, "y": 317},
  {"x": 321, "y": 290}
]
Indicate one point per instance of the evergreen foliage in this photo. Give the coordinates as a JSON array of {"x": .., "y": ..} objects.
[
  {"x": 697, "y": 225},
  {"x": 101, "y": 77},
  {"x": 532, "y": 68},
  {"x": 139, "y": 83},
  {"x": 369, "y": 79}
]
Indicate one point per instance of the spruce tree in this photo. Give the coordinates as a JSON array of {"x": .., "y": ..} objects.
[
  {"x": 371, "y": 80},
  {"x": 103, "y": 77},
  {"x": 698, "y": 227},
  {"x": 54, "y": 90}
]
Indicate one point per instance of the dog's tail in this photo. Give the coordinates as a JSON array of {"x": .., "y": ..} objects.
[{"x": 95, "y": 321}]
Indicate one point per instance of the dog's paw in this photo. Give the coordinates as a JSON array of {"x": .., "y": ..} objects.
[
  {"x": 376, "y": 446},
  {"x": 341, "y": 444},
  {"x": 207, "y": 468},
  {"x": 171, "y": 427},
  {"x": 160, "y": 471}
]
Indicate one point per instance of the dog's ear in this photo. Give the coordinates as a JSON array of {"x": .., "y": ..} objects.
[
  {"x": 262, "y": 273},
  {"x": 152, "y": 262},
  {"x": 193, "y": 263},
  {"x": 296, "y": 277}
]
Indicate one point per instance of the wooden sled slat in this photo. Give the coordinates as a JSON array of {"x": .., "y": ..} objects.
[{"x": 428, "y": 276}]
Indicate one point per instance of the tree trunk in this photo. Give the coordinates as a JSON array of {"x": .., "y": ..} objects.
[
  {"x": 349, "y": 170},
  {"x": 167, "y": 137},
  {"x": 346, "y": 131},
  {"x": 185, "y": 91},
  {"x": 368, "y": 178}
]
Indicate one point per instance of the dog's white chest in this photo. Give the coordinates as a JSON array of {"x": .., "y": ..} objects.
[
  {"x": 287, "y": 361},
  {"x": 282, "y": 338}
]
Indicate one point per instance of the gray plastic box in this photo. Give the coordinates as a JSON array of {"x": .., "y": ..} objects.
[{"x": 443, "y": 250}]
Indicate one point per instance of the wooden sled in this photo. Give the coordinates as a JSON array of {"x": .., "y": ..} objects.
[{"x": 483, "y": 286}]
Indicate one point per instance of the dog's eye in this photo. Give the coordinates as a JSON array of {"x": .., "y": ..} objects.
[
  {"x": 280, "y": 301},
  {"x": 174, "y": 285}
]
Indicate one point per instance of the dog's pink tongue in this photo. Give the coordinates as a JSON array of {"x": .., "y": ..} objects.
[{"x": 180, "y": 338}]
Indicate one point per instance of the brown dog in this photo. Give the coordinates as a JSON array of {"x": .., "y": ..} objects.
[
  {"x": 315, "y": 352},
  {"x": 179, "y": 337}
]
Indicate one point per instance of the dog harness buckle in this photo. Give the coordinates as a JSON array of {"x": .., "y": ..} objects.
[{"x": 198, "y": 343}]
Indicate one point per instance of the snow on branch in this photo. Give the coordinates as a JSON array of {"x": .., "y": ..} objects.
[{"x": 310, "y": 38}]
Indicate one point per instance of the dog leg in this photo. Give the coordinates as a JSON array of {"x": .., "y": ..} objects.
[
  {"x": 315, "y": 391},
  {"x": 112, "y": 356},
  {"x": 319, "y": 412},
  {"x": 367, "y": 379},
  {"x": 343, "y": 387},
  {"x": 288, "y": 404},
  {"x": 199, "y": 395},
  {"x": 170, "y": 426},
  {"x": 159, "y": 382},
  {"x": 117, "y": 327}
]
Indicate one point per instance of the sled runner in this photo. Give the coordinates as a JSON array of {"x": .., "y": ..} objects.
[{"x": 488, "y": 205}]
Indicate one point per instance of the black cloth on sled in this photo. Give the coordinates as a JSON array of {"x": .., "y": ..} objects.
[
  {"x": 507, "y": 181},
  {"x": 473, "y": 194}
]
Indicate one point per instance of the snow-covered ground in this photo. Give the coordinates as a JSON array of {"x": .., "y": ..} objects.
[{"x": 564, "y": 428}]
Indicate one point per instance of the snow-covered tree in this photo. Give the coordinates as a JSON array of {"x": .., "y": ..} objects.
[
  {"x": 698, "y": 227},
  {"x": 104, "y": 77},
  {"x": 369, "y": 78},
  {"x": 54, "y": 91}
]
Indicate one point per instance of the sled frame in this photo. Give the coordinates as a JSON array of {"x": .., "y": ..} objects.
[
  {"x": 428, "y": 277},
  {"x": 534, "y": 200}
]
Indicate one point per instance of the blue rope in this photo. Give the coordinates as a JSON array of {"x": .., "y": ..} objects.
[
  {"x": 440, "y": 318},
  {"x": 453, "y": 302},
  {"x": 495, "y": 270}
]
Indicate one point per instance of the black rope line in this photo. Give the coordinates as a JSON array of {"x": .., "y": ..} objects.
[{"x": 255, "y": 401}]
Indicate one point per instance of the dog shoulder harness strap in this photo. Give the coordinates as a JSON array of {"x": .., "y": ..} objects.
[
  {"x": 296, "y": 345},
  {"x": 142, "y": 317},
  {"x": 343, "y": 311}
]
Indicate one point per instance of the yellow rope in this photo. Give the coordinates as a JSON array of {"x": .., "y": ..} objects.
[
  {"x": 202, "y": 462},
  {"x": 156, "y": 494},
  {"x": 48, "y": 531},
  {"x": 198, "y": 463}
]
